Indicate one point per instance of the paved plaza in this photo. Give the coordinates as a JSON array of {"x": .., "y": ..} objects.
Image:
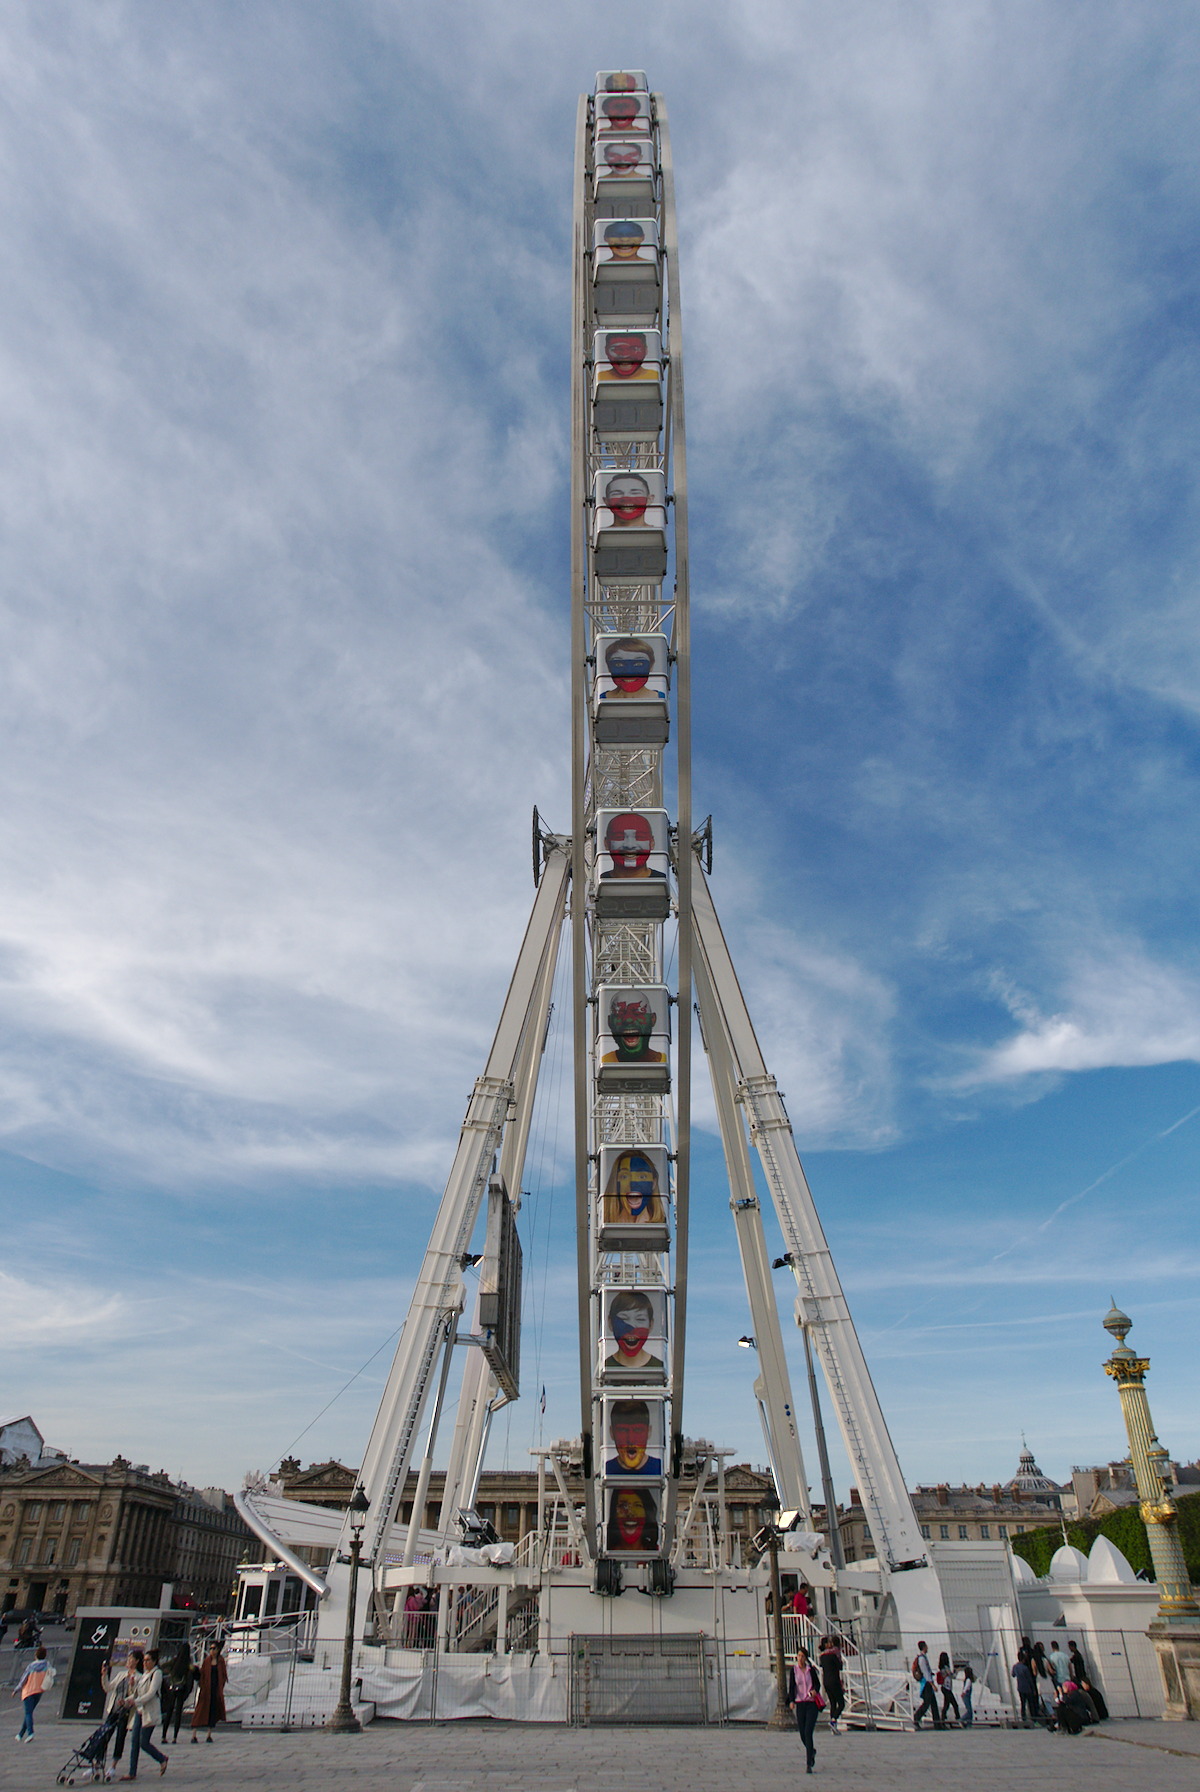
[{"x": 495, "y": 1757}]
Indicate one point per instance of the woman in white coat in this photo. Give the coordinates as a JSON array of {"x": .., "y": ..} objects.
[{"x": 147, "y": 1711}]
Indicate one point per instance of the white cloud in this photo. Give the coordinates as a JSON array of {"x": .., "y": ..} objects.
[
  {"x": 1119, "y": 1009},
  {"x": 49, "y": 1313}
]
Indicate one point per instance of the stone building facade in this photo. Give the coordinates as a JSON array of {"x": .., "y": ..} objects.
[{"x": 74, "y": 1533}]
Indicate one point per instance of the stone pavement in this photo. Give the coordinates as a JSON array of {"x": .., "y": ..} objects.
[{"x": 495, "y": 1757}]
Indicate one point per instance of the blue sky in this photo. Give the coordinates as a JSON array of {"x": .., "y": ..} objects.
[{"x": 284, "y": 368}]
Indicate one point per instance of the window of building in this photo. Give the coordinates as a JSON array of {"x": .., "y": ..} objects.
[
  {"x": 1003, "y": 1530},
  {"x": 72, "y": 1552},
  {"x": 59, "y": 1510},
  {"x": 33, "y": 1510},
  {"x": 82, "y": 1512},
  {"x": 23, "y": 1549},
  {"x": 985, "y": 1530},
  {"x": 962, "y": 1533},
  {"x": 924, "y": 1530},
  {"x": 50, "y": 1550},
  {"x": 943, "y": 1531},
  {"x": 512, "y": 1515},
  {"x": 1020, "y": 1529}
]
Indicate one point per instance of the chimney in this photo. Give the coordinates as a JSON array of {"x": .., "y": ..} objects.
[
  {"x": 943, "y": 1493},
  {"x": 855, "y": 1497}
]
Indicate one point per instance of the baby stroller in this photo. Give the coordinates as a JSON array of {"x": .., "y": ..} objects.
[{"x": 87, "y": 1761}]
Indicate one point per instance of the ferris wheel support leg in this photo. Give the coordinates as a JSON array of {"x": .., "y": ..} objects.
[
  {"x": 478, "y": 1397},
  {"x": 773, "y": 1387},
  {"x": 821, "y": 1305},
  {"x": 422, "y": 1493},
  {"x": 439, "y": 1289}
]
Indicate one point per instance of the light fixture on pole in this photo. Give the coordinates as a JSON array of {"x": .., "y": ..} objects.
[
  {"x": 766, "y": 1542},
  {"x": 748, "y": 1343},
  {"x": 343, "y": 1718}
]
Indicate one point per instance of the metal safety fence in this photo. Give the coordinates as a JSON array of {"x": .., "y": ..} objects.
[{"x": 637, "y": 1680}]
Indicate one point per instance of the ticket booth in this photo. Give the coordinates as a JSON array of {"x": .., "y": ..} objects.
[
  {"x": 629, "y": 525},
  {"x": 634, "y": 1195},
  {"x": 633, "y": 1039},
  {"x": 626, "y": 272},
  {"x": 627, "y": 385},
  {"x": 632, "y": 861},
  {"x": 625, "y": 178},
  {"x": 104, "y": 1636},
  {"x": 630, "y": 691}
]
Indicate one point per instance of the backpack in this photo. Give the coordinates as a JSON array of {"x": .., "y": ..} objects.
[{"x": 916, "y": 1669}]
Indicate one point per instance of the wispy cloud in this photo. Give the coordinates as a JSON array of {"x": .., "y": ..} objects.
[
  {"x": 39, "y": 1313},
  {"x": 284, "y": 375}
]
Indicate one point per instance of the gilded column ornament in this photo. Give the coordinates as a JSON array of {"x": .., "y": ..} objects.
[{"x": 1175, "y": 1630}]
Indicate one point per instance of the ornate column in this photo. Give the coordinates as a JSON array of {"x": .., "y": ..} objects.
[{"x": 1175, "y": 1631}]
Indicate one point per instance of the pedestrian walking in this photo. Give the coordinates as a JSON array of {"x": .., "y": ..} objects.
[
  {"x": 968, "y": 1695},
  {"x": 177, "y": 1683},
  {"x": 804, "y": 1696},
  {"x": 147, "y": 1711},
  {"x": 831, "y": 1679},
  {"x": 945, "y": 1681},
  {"x": 210, "y": 1677},
  {"x": 922, "y": 1674},
  {"x": 37, "y": 1679}
]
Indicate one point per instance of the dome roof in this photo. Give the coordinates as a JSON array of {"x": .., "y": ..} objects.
[{"x": 1029, "y": 1477}]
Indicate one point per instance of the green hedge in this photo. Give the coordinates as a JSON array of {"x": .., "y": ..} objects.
[{"x": 1124, "y": 1528}]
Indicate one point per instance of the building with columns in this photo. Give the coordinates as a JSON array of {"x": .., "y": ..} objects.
[{"x": 77, "y": 1533}]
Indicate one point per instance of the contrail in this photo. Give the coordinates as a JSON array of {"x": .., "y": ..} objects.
[
  {"x": 1060, "y": 1209},
  {"x": 1103, "y": 1177}
]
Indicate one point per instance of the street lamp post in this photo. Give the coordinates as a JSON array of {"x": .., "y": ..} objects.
[
  {"x": 343, "y": 1718},
  {"x": 780, "y": 1718},
  {"x": 1175, "y": 1631}
]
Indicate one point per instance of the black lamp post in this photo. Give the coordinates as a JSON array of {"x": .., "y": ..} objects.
[
  {"x": 343, "y": 1718},
  {"x": 781, "y": 1717}
]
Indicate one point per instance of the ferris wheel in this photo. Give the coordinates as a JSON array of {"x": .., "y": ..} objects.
[{"x": 628, "y": 884}]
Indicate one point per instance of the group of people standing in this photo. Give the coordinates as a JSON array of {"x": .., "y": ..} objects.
[
  {"x": 140, "y": 1693},
  {"x": 931, "y": 1681},
  {"x": 1054, "y": 1687}
]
